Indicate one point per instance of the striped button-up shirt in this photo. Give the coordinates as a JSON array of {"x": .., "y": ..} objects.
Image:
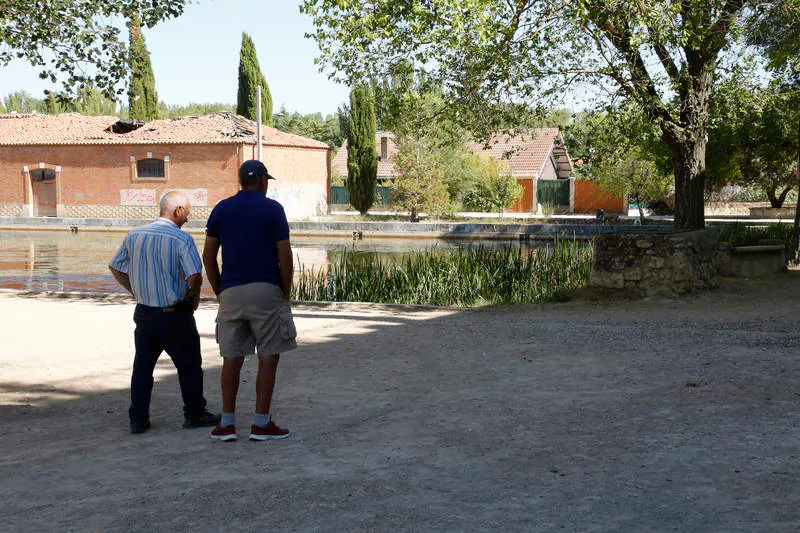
[{"x": 158, "y": 259}]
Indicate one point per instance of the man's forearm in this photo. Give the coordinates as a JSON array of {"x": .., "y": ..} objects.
[
  {"x": 212, "y": 273},
  {"x": 210, "y": 262},
  {"x": 123, "y": 279},
  {"x": 195, "y": 282},
  {"x": 287, "y": 271},
  {"x": 286, "y": 267}
]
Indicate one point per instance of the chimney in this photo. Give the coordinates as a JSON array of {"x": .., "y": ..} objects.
[{"x": 384, "y": 147}]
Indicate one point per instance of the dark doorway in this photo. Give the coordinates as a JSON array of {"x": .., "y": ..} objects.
[{"x": 45, "y": 192}]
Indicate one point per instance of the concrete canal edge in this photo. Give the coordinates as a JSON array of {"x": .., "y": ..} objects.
[{"x": 565, "y": 229}]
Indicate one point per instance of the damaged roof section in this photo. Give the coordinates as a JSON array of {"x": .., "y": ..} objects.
[
  {"x": 72, "y": 128},
  {"x": 125, "y": 126}
]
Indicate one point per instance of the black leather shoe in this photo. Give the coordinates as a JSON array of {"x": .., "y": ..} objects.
[
  {"x": 139, "y": 427},
  {"x": 205, "y": 420}
]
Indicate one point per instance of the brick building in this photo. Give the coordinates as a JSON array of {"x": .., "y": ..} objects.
[{"x": 71, "y": 165}]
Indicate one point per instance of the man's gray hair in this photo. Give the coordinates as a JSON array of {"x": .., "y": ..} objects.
[{"x": 171, "y": 201}]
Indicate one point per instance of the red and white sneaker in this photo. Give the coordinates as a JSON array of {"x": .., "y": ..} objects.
[
  {"x": 270, "y": 431},
  {"x": 224, "y": 433}
]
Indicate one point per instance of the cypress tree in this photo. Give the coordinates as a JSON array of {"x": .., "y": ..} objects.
[
  {"x": 52, "y": 106},
  {"x": 362, "y": 157},
  {"x": 250, "y": 77},
  {"x": 142, "y": 97}
]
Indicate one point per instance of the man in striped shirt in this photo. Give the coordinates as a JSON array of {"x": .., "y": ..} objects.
[{"x": 159, "y": 265}]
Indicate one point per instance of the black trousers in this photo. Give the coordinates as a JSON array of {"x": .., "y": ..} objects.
[{"x": 173, "y": 331}]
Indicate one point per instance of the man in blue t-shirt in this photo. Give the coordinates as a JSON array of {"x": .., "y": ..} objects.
[{"x": 253, "y": 291}]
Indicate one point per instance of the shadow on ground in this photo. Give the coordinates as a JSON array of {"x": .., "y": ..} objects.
[{"x": 653, "y": 415}]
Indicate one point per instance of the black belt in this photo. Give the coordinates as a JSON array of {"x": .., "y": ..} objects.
[{"x": 184, "y": 306}]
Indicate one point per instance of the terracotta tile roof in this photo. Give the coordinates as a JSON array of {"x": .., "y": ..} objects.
[
  {"x": 526, "y": 153},
  {"x": 72, "y": 128},
  {"x": 385, "y": 166}
]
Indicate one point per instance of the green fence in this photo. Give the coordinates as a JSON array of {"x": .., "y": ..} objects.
[
  {"x": 553, "y": 192},
  {"x": 340, "y": 196}
]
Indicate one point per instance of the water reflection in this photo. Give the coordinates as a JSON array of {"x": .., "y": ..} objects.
[{"x": 62, "y": 261}]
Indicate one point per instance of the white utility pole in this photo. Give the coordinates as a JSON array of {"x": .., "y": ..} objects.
[{"x": 258, "y": 120}]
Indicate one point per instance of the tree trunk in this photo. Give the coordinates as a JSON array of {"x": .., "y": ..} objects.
[
  {"x": 773, "y": 200},
  {"x": 639, "y": 206},
  {"x": 689, "y": 166},
  {"x": 795, "y": 239},
  {"x": 776, "y": 201}
]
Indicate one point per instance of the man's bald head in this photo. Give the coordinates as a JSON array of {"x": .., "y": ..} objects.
[
  {"x": 171, "y": 201},
  {"x": 175, "y": 206}
]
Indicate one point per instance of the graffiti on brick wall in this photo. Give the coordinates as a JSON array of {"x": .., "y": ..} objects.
[
  {"x": 137, "y": 197},
  {"x": 196, "y": 196}
]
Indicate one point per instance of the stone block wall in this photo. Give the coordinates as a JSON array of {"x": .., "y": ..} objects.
[
  {"x": 648, "y": 264},
  {"x": 146, "y": 212},
  {"x": 10, "y": 210}
]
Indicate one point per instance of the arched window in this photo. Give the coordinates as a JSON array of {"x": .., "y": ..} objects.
[{"x": 150, "y": 168}]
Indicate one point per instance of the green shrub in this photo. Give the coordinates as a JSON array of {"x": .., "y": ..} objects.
[{"x": 743, "y": 235}]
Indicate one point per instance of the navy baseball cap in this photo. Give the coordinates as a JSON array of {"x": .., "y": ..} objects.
[{"x": 253, "y": 167}]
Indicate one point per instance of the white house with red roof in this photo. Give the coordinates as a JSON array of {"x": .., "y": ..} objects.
[{"x": 70, "y": 165}]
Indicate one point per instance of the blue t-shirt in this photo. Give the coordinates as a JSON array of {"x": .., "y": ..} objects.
[{"x": 248, "y": 226}]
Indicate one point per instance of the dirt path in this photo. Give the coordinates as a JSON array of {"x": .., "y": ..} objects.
[{"x": 653, "y": 415}]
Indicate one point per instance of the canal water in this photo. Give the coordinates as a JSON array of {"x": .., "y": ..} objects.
[{"x": 62, "y": 261}]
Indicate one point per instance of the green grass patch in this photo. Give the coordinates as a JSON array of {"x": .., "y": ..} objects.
[{"x": 467, "y": 277}]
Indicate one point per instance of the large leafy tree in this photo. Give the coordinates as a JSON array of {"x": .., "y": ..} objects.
[
  {"x": 662, "y": 56},
  {"x": 142, "y": 96},
  {"x": 362, "y": 157},
  {"x": 619, "y": 150},
  {"x": 250, "y": 78},
  {"x": 777, "y": 32},
  {"x": 753, "y": 136},
  {"x": 419, "y": 186},
  {"x": 75, "y": 40}
]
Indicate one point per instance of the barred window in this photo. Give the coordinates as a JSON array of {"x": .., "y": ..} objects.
[
  {"x": 43, "y": 175},
  {"x": 150, "y": 168}
]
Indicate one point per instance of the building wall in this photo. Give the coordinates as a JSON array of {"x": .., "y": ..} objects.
[
  {"x": 303, "y": 179},
  {"x": 99, "y": 181},
  {"x": 524, "y": 204},
  {"x": 549, "y": 171},
  {"x": 588, "y": 199}
]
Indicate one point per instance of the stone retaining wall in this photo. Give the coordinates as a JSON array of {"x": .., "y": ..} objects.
[
  {"x": 773, "y": 212},
  {"x": 731, "y": 208},
  {"x": 750, "y": 261},
  {"x": 667, "y": 263}
]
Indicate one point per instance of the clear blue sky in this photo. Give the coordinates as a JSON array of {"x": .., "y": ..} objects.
[{"x": 196, "y": 56}]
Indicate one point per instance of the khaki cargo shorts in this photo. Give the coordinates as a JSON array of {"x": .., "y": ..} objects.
[{"x": 254, "y": 318}]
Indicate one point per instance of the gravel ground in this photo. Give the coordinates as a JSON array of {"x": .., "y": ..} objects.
[{"x": 649, "y": 416}]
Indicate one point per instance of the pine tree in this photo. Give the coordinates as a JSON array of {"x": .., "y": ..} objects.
[
  {"x": 250, "y": 77},
  {"x": 362, "y": 157},
  {"x": 142, "y": 97}
]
